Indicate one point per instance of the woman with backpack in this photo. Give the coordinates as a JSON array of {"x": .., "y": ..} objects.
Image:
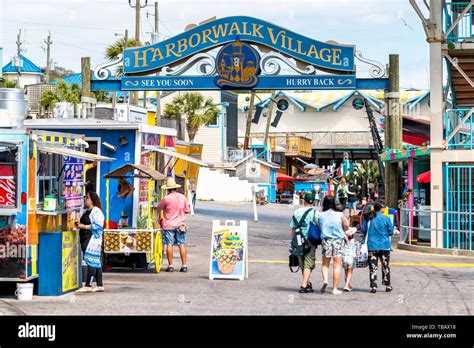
[{"x": 332, "y": 224}]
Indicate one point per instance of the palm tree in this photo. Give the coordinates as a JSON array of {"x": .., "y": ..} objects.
[
  {"x": 102, "y": 96},
  {"x": 113, "y": 51},
  {"x": 48, "y": 100},
  {"x": 198, "y": 112},
  {"x": 368, "y": 172}
]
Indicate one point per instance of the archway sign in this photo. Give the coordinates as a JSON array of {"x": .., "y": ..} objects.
[{"x": 239, "y": 53}]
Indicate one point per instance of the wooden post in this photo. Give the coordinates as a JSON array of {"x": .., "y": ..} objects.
[
  {"x": 269, "y": 120},
  {"x": 393, "y": 132},
  {"x": 86, "y": 76},
  {"x": 249, "y": 121}
]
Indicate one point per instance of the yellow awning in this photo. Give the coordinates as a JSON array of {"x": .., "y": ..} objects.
[
  {"x": 74, "y": 153},
  {"x": 176, "y": 154}
]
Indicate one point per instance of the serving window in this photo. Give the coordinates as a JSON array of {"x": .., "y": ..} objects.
[
  {"x": 48, "y": 176},
  {"x": 10, "y": 183}
]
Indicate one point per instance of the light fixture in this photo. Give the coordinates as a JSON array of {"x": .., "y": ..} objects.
[{"x": 109, "y": 147}]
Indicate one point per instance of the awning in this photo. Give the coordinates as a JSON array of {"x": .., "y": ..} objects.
[
  {"x": 284, "y": 177},
  {"x": 176, "y": 154},
  {"x": 142, "y": 172},
  {"x": 74, "y": 153},
  {"x": 424, "y": 178}
]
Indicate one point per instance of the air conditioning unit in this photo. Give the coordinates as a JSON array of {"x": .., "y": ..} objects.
[{"x": 131, "y": 113}]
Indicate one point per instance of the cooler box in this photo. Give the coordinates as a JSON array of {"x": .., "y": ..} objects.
[{"x": 59, "y": 265}]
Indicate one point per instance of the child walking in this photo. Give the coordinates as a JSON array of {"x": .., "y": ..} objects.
[{"x": 348, "y": 257}]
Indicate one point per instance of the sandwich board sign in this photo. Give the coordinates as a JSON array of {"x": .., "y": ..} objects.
[{"x": 229, "y": 246}]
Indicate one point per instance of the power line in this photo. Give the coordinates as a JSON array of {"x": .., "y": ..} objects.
[
  {"x": 60, "y": 25},
  {"x": 82, "y": 48}
]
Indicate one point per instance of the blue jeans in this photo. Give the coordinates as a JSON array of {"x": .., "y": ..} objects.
[{"x": 173, "y": 237}]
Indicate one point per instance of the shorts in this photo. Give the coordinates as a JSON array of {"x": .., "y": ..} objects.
[
  {"x": 348, "y": 262},
  {"x": 173, "y": 237},
  {"x": 352, "y": 204},
  {"x": 333, "y": 247},
  {"x": 309, "y": 260}
]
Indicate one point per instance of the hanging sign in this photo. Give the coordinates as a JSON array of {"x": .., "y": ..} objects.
[
  {"x": 206, "y": 83},
  {"x": 147, "y": 59},
  {"x": 229, "y": 258},
  {"x": 252, "y": 170},
  {"x": 73, "y": 182}
]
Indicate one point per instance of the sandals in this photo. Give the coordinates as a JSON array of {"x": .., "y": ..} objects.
[
  {"x": 323, "y": 288},
  {"x": 169, "y": 269},
  {"x": 306, "y": 289}
]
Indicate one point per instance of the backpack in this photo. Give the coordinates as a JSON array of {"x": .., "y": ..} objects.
[{"x": 298, "y": 243}]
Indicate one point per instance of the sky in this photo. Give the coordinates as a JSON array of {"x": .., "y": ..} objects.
[{"x": 82, "y": 28}]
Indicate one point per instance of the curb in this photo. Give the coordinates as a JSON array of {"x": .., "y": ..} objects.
[{"x": 436, "y": 251}]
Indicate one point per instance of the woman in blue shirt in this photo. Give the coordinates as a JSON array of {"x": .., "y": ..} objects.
[
  {"x": 380, "y": 228},
  {"x": 333, "y": 224}
]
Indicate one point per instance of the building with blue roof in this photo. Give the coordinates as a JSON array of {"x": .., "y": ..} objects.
[{"x": 27, "y": 74}]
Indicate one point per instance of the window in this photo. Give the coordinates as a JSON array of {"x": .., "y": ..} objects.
[
  {"x": 9, "y": 178},
  {"x": 48, "y": 170},
  {"x": 215, "y": 123}
]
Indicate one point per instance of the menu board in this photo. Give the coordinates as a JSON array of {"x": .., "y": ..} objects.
[
  {"x": 73, "y": 182},
  {"x": 229, "y": 250},
  {"x": 149, "y": 160}
]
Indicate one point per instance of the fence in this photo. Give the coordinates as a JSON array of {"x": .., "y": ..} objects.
[
  {"x": 452, "y": 12},
  {"x": 452, "y": 230},
  {"x": 463, "y": 137}
]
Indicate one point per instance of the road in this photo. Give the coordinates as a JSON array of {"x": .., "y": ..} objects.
[{"x": 423, "y": 284}]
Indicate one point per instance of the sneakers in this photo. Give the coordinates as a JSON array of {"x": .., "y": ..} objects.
[
  {"x": 373, "y": 291},
  {"x": 98, "y": 289},
  {"x": 336, "y": 292},
  {"x": 348, "y": 289},
  {"x": 184, "y": 269},
  {"x": 169, "y": 269},
  {"x": 389, "y": 288},
  {"x": 83, "y": 290}
]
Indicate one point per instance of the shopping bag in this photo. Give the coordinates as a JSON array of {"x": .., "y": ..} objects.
[{"x": 362, "y": 252}]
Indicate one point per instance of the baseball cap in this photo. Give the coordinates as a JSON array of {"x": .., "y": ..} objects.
[{"x": 309, "y": 198}]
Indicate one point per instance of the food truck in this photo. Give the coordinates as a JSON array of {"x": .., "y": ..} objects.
[
  {"x": 41, "y": 196},
  {"x": 130, "y": 143}
]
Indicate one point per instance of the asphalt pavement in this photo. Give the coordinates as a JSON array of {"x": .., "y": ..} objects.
[{"x": 423, "y": 284}]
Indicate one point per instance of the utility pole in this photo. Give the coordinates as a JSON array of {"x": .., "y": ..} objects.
[
  {"x": 393, "y": 132},
  {"x": 48, "y": 43},
  {"x": 125, "y": 43},
  {"x": 269, "y": 120},
  {"x": 137, "y": 8},
  {"x": 158, "y": 93},
  {"x": 18, "y": 52},
  {"x": 249, "y": 121}
]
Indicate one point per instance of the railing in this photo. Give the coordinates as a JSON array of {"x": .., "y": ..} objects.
[
  {"x": 452, "y": 12},
  {"x": 452, "y": 230},
  {"x": 233, "y": 156},
  {"x": 462, "y": 139},
  {"x": 328, "y": 139}
]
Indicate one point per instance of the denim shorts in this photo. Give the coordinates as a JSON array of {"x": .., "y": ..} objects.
[
  {"x": 173, "y": 237},
  {"x": 352, "y": 204}
]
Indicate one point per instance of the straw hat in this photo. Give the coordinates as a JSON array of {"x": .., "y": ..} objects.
[{"x": 170, "y": 184}]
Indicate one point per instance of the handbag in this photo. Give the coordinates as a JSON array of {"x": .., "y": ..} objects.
[
  {"x": 362, "y": 252},
  {"x": 294, "y": 261}
]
